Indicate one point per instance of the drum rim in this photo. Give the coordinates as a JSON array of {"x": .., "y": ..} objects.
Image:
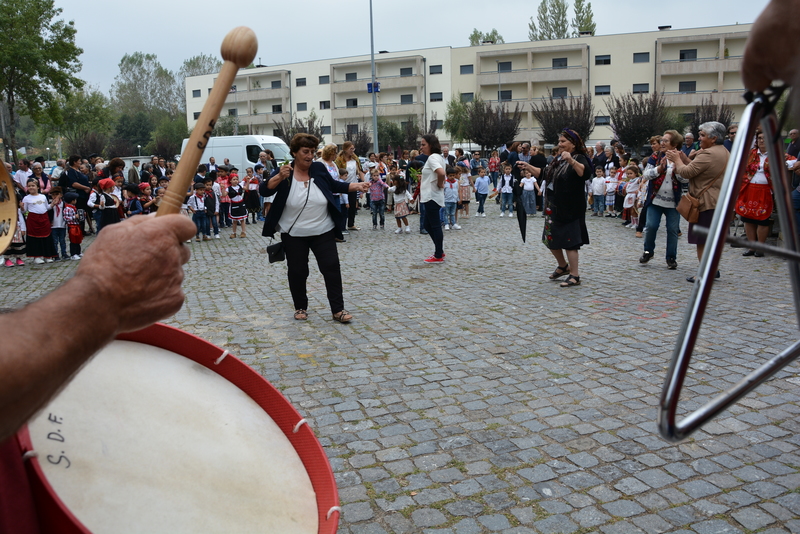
[{"x": 255, "y": 386}]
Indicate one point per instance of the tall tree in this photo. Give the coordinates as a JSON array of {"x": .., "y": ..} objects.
[
  {"x": 551, "y": 21},
  {"x": 38, "y": 59},
  {"x": 634, "y": 118},
  {"x": 584, "y": 18},
  {"x": 477, "y": 37},
  {"x": 295, "y": 125},
  {"x": 456, "y": 118},
  {"x": 194, "y": 66},
  {"x": 709, "y": 111},
  {"x": 389, "y": 134},
  {"x": 143, "y": 84},
  {"x": 168, "y": 137},
  {"x": 84, "y": 119},
  {"x": 491, "y": 127},
  {"x": 556, "y": 113}
]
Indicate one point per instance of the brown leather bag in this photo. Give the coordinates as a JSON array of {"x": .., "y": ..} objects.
[{"x": 689, "y": 206}]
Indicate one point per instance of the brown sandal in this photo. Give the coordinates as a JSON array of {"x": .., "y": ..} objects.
[
  {"x": 300, "y": 315},
  {"x": 342, "y": 317}
]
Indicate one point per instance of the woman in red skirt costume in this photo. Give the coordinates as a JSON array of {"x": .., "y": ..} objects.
[{"x": 40, "y": 244}]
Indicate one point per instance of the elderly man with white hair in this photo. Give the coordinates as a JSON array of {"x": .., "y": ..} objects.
[{"x": 705, "y": 174}]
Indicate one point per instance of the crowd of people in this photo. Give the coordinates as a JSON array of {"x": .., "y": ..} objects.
[{"x": 80, "y": 197}]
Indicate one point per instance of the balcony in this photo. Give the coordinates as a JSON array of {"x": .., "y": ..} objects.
[
  {"x": 546, "y": 74},
  {"x": 262, "y": 118},
  {"x": 258, "y": 94},
  {"x": 387, "y": 82},
  {"x": 709, "y": 65},
  {"x": 402, "y": 110},
  {"x": 731, "y": 97}
]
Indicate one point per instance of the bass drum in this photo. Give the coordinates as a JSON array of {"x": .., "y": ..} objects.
[{"x": 163, "y": 432}]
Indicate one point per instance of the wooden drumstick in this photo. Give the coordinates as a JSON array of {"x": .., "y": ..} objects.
[{"x": 238, "y": 50}]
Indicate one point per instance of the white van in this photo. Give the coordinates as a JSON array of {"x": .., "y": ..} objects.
[{"x": 242, "y": 150}]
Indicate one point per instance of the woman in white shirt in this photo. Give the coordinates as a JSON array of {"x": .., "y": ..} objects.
[
  {"x": 305, "y": 212},
  {"x": 40, "y": 245},
  {"x": 431, "y": 192}
]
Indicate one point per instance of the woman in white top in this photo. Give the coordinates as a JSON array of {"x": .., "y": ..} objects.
[
  {"x": 431, "y": 192},
  {"x": 348, "y": 160},
  {"x": 40, "y": 245},
  {"x": 304, "y": 211}
]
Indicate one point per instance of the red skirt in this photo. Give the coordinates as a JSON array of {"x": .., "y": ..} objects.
[
  {"x": 755, "y": 201},
  {"x": 38, "y": 225}
]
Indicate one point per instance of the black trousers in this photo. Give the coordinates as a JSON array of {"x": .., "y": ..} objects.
[
  {"x": 351, "y": 212},
  {"x": 324, "y": 248}
]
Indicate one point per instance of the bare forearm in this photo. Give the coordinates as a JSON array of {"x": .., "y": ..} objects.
[{"x": 37, "y": 358}]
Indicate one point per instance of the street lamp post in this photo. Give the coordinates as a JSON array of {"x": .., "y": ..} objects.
[
  {"x": 48, "y": 154},
  {"x": 374, "y": 92},
  {"x": 139, "y": 148}
]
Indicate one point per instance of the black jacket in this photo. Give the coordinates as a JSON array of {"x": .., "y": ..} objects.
[{"x": 322, "y": 179}]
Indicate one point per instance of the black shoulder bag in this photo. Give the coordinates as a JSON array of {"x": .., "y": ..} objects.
[{"x": 275, "y": 251}]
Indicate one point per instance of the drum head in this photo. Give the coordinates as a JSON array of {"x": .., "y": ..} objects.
[
  {"x": 145, "y": 439},
  {"x": 8, "y": 209}
]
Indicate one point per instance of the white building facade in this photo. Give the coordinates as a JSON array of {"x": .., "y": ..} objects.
[{"x": 687, "y": 66}]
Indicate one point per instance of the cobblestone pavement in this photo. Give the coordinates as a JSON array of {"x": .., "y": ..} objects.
[{"x": 478, "y": 396}]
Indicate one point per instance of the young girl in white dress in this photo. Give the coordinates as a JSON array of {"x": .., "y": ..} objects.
[{"x": 401, "y": 198}]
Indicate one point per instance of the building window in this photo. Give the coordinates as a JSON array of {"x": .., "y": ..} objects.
[
  {"x": 504, "y": 96},
  {"x": 300, "y": 82},
  {"x": 406, "y": 71},
  {"x": 467, "y": 97},
  {"x": 276, "y": 84},
  {"x": 559, "y": 63},
  {"x": 602, "y": 120},
  {"x": 324, "y": 104},
  {"x": 687, "y": 87},
  {"x": 641, "y": 57},
  {"x": 602, "y": 60},
  {"x": 277, "y": 108},
  {"x": 437, "y": 124},
  {"x": 602, "y": 90},
  {"x": 504, "y": 66},
  {"x": 324, "y": 80},
  {"x": 351, "y": 129},
  {"x": 209, "y": 90},
  {"x": 196, "y": 115},
  {"x": 687, "y": 117},
  {"x": 560, "y": 92},
  {"x": 351, "y": 77},
  {"x": 436, "y": 97},
  {"x": 641, "y": 88},
  {"x": 435, "y": 69},
  {"x": 233, "y": 112},
  {"x": 196, "y": 93},
  {"x": 325, "y": 130},
  {"x": 406, "y": 99},
  {"x": 276, "y": 133},
  {"x": 689, "y": 55},
  {"x": 302, "y": 106},
  {"x": 466, "y": 69},
  {"x": 352, "y": 103}
]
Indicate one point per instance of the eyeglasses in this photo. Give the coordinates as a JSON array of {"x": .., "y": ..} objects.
[{"x": 731, "y": 133}]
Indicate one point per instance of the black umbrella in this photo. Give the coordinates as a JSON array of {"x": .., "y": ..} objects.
[{"x": 522, "y": 217}]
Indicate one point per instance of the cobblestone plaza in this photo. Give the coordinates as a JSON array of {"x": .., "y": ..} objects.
[{"x": 478, "y": 396}]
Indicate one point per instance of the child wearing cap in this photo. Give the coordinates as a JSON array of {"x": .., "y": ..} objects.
[
  {"x": 197, "y": 206},
  {"x": 212, "y": 203},
  {"x": 145, "y": 197},
  {"x": 58, "y": 227},
  {"x": 132, "y": 204},
  {"x": 73, "y": 217},
  {"x": 109, "y": 204}
]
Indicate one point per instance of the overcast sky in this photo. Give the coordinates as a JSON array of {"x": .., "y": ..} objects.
[{"x": 321, "y": 29}]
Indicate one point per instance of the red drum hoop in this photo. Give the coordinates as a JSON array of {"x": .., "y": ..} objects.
[{"x": 54, "y": 516}]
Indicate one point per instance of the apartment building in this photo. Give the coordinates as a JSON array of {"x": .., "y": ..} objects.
[{"x": 687, "y": 65}]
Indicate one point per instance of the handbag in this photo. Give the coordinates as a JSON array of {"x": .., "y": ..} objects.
[
  {"x": 689, "y": 206},
  {"x": 275, "y": 251}
]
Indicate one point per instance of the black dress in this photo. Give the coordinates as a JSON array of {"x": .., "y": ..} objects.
[{"x": 565, "y": 212}]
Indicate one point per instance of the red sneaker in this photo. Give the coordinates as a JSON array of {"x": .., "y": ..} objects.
[{"x": 434, "y": 259}]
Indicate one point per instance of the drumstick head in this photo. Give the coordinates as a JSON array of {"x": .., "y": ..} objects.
[{"x": 240, "y": 46}]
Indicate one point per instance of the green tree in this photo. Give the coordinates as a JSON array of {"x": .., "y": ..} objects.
[
  {"x": 295, "y": 125},
  {"x": 143, "y": 84},
  {"x": 130, "y": 132},
  {"x": 556, "y": 113},
  {"x": 194, "y": 66},
  {"x": 491, "y": 127},
  {"x": 38, "y": 59},
  {"x": 477, "y": 37},
  {"x": 456, "y": 118},
  {"x": 84, "y": 120},
  {"x": 168, "y": 137},
  {"x": 584, "y": 18},
  {"x": 389, "y": 135},
  {"x": 634, "y": 118},
  {"x": 551, "y": 21},
  {"x": 226, "y": 125}
]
